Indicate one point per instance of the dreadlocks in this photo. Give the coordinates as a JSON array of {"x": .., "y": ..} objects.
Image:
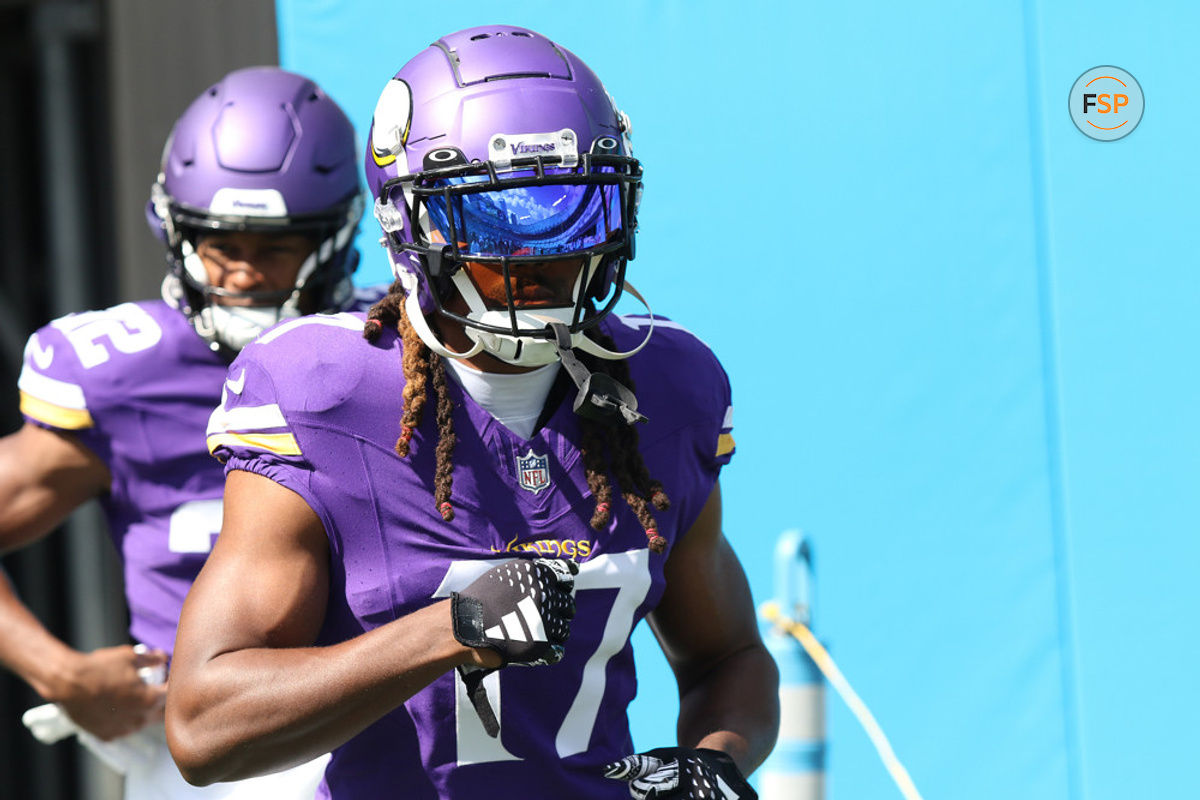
[{"x": 605, "y": 449}]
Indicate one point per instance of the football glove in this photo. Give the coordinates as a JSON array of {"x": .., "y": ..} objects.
[
  {"x": 680, "y": 772},
  {"x": 522, "y": 609}
]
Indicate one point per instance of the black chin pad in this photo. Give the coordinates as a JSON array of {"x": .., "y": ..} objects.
[{"x": 601, "y": 398}]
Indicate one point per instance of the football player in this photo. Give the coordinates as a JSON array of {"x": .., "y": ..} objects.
[
  {"x": 492, "y": 471},
  {"x": 257, "y": 203}
]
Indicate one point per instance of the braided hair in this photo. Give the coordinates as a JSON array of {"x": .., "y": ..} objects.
[{"x": 605, "y": 448}]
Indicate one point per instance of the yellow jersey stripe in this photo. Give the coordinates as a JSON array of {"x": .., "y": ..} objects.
[
  {"x": 283, "y": 444},
  {"x": 725, "y": 444},
  {"x": 70, "y": 419}
]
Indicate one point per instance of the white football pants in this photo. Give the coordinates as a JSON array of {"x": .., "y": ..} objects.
[{"x": 156, "y": 777}]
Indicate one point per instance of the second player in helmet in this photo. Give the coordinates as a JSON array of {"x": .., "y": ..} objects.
[
  {"x": 257, "y": 202},
  {"x": 258, "y": 206}
]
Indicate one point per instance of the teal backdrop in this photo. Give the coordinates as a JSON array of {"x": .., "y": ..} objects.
[{"x": 962, "y": 340}]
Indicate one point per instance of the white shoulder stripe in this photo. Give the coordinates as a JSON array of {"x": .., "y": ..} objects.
[
  {"x": 246, "y": 418},
  {"x": 339, "y": 320},
  {"x": 59, "y": 393}
]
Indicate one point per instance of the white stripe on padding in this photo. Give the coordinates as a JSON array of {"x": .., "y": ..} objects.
[
  {"x": 802, "y": 712},
  {"x": 494, "y": 632},
  {"x": 533, "y": 619},
  {"x": 512, "y": 627},
  {"x": 799, "y": 785}
]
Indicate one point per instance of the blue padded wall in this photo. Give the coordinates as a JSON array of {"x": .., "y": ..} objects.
[{"x": 961, "y": 339}]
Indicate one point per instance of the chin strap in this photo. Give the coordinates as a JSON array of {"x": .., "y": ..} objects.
[
  {"x": 589, "y": 346},
  {"x": 416, "y": 318},
  {"x": 600, "y": 397}
]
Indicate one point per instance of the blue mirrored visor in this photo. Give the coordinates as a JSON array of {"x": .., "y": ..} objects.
[{"x": 525, "y": 220}]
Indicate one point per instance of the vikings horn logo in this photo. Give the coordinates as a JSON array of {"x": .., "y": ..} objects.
[
  {"x": 533, "y": 471},
  {"x": 391, "y": 122}
]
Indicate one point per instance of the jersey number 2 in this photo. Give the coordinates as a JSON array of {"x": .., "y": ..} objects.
[{"x": 127, "y": 327}]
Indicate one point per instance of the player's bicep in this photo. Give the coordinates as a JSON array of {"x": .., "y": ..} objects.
[
  {"x": 706, "y": 613},
  {"x": 266, "y": 581}
]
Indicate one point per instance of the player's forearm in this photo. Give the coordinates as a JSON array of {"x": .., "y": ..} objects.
[
  {"x": 734, "y": 707},
  {"x": 44, "y": 476},
  {"x": 247, "y": 712},
  {"x": 27, "y": 512},
  {"x": 28, "y": 649}
]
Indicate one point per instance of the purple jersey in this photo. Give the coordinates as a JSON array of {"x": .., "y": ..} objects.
[
  {"x": 316, "y": 408},
  {"x": 137, "y": 385}
]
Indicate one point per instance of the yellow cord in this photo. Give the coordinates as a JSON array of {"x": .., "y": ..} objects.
[{"x": 825, "y": 663}]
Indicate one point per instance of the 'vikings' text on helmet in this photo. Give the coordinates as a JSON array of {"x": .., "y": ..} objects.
[
  {"x": 263, "y": 150},
  {"x": 496, "y": 145}
]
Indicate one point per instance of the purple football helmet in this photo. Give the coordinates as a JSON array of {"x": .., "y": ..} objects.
[
  {"x": 267, "y": 151},
  {"x": 496, "y": 145}
]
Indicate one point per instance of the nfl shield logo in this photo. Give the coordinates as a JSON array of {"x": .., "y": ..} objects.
[{"x": 533, "y": 471}]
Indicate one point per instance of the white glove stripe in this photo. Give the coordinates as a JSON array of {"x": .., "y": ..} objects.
[
  {"x": 512, "y": 627},
  {"x": 529, "y": 610}
]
